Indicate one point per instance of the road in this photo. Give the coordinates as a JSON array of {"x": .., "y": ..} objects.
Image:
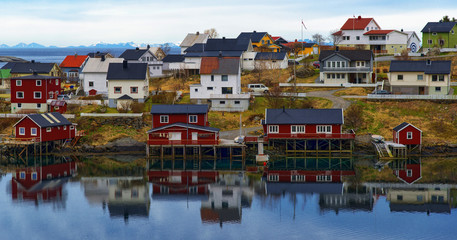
[{"x": 338, "y": 102}]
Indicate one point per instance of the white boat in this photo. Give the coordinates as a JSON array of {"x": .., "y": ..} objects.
[{"x": 377, "y": 138}]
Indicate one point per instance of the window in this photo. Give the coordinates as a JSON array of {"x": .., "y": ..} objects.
[
  {"x": 38, "y": 105},
  {"x": 21, "y": 131},
  {"x": 358, "y": 64},
  {"x": 57, "y": 82},
  {"x": 434, "y": 34},
  {"x": 117, "y": 89},
  {"x": 400, "y": 197},
  {"x": 22, "y": 175},
  {"x": 273, "y": 177},
  {"x": 434, "y": 78},
  {"x": 163, "y": 118},
  {"x": 409, "y": 135},
  {"x": 221, "y": 102},
  {"x": 38, "y": 82},
  {"x": 333, "y": 76},
  {"x": 33, "y": 132},
  {"x": 368, "y": 28},
  {"x": 357, "y": 38},
  {"x": 273, "y": 129},
  {"x": 48, "y": 129},
  {"x": 441, "y": 42},
  {"x": 133, "y": 89},
  {"x": 338, "y": 76},
  {"x": 51, "y": 95},
  {"x": 19, "y": 94},
  {"x": 227, "y": 90},
  {"x": 437, "y": 89},
  {"x": 328, "y": 75},
  {"x": 297, "y": 178},
  {"x": 324, "y": 178},
  {"x": 420, "y": 198},
  {"x": 333, "y": 64},
  {"x": 224, "y": 78},
  {"x": 209, "y": 88},
  {"x": 91, "y": 84},
  {"x": 237, "y": 102},
  {"x": 19, "y": 105},
  {"x": 338, "y": 64},
  {"x": 212, "y": 78},
  {"x": 343, "y": 75},
  {"x": 324, "y": 129},
  {"x": 37, "y": 95},
  {"x": 193, "y": 118},
  {"x": 409, "y": 173},
  {"x": 196, "y": 90},
  {"x": 18, "y": 82},
  {"x": 441, "y": 78},
  {"x": 399, "y": 77},
  {"x": 34, "y": 176},
  {"x": 65, "y": 127},
  {"x": 343, "y": 64},
  {"x": 297, "y": 129},
  {"x": 420, "y": 77},
  {"x": 72, "y": 127},
  {"x": 430, "y": 41}
]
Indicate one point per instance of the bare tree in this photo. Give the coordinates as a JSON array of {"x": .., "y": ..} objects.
[
  {"x": 166, "y": 48},
  {"x": 335, "y": 39},
  {"x": 318, "y": 38},
  {"x": 353, "y": 116},
  {"x": 212, "y": 33}
]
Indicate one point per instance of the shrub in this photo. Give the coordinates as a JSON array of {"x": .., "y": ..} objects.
[{"x": 137, "y": 107}]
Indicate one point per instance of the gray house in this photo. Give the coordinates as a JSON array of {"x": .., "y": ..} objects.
[
  {"x": 144, "y": 56},
  {"x": 346, "y": 66}
]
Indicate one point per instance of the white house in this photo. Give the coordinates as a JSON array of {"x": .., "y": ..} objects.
[
  {"x": 173, "y": 63},
  {"x": 93, "y": 75},
  {"x": 271, "y": 60},
  {"x": 414, "y": 43},
  {"x": 193, "y": 38},
  {"x": 127, "y": 82},
  {"x": 144, "y": 56}
]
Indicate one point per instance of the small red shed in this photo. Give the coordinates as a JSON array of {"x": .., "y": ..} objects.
[
  {"x": 407, "y": 134},
  {"x": 45, "y": 127},
  {"x": 58, "y": 106},
  {"x": 92, "y": 92}
]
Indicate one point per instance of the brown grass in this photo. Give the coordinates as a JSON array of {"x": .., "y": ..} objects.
[{"x": 354, "y": 92}]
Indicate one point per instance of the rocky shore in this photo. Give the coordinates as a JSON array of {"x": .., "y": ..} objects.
[{"x": 11, "y": 59}]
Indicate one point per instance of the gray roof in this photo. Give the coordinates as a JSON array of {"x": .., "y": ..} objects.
[
  {"x": 97, "y": 54},
  {"x": 227, "y": 44},
  {"x": 435, "y": 67},
  {"x": 215, "y": 54},
  {"x": 304, "y": 116},
  {"x": 125, "y": 97},
  {"x": 9, "y": 65},
  {"x": 173, "y": 58},
  {"x": 198, "y": 47},
  {"x": 438, "y": 27},
  {"x": 194, "y": 38},
  {"x": 270, "y": 56},
  {"x": 30, "y": 67},
  {"x": 33, "y": 76},
  {"x": 253, "y": 36},
  {"x": 353, "y": 55},
  {"x": 133, "y": 54},
  {"x": 402, "y": 125},
  {"x": 185, "y": 125},
  {"x": 45, "y": 120},
  {"x": 179, "y": 109},
  {"x": 133, "y": 71}
]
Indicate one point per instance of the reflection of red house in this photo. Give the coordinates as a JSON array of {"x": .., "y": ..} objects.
[
  {"x": 307, "y": 175},
  {"x": 41, "y": 183},
  {"x": 45, "y": 127},
  {"x": 409, "y": 173},
  {"x": 407, "y": 134},
  {"x": 181, "y": 124},
  {"x": 58, "y": 106},
  {"x": 181, "y": 182}
]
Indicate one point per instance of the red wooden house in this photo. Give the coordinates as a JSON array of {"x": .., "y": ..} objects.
[
  {"x": 181, "y": 182},
  {"x": 31, "y": 93},
  {"x": 181, "y": 124},
  {"x": 45, "y": 127},
  {"x": 408, "y": 171},
  {"x": 59, "y": 106},
  {"x": 308, "y": 175},
  {"x": 407, "y": 134},
  {"x": 304, "y": 124}
]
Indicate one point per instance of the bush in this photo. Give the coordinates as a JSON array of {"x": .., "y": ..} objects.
[
  {"x": 353, "y": 116},
  {"x": 305, "y": 72},
  {"x": 137, "y": 107},
  {"x": 95, "y": 97}
]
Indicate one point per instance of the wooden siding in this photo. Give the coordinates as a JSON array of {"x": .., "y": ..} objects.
[
  {"x": 402, "y": 136},
  {"x": 161, "y": 137},
  {"x": 57, "y": 133},
  {"x": 179, "y": 118}
]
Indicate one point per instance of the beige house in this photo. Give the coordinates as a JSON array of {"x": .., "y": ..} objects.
[{"x": 420, "y": 77}]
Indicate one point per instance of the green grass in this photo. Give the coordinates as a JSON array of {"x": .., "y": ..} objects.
[
  {"x": 455, "y": 90},
  {"x": 5, "y": 95}
]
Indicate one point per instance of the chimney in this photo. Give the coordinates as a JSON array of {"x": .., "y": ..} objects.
[
  {"x": 337, "y": 49},
  {"x": 33, "y": 61},
  {"x": 223, "y": 38},
  {"x": 283, "y": 109},
  {"x": 402, "y": 30},
  {"x": 220, "y": 54},
  {"x": 137, "y": 48},
  {"x": 360, "y": 17},
  {"x": 124, "y": 64},
  {"x": 148, "y": 46},
  {"x": 103, "y": 58},
  {"x": 198, "y": 33},
  {"x": 255, "y": 31},
  {"x": 429, "y": 62},
  {"x": 98, "y": 52}
]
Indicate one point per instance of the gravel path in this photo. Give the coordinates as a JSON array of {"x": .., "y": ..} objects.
[
  {"x": 338, "y": 102},
  {"x": 232, "y": 134}
]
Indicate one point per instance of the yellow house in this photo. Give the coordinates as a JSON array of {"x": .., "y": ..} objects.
[
  {"x": 261, "y": 41},
  {"x": 308, "y": 48},
  {"x": 24, "y": 69}
]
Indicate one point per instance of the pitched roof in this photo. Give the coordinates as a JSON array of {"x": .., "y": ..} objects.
[
  {"x": 96, "y": 65},
  {"x": 30, "y": 67},
  {"x": 134, "y": 54},
  {"x": 9, "y": 65},
  {"x": 353, "y": 55},
  {"x": 270, "y": 56},
  {"x": 227, "y": 44},
  {"x": 358, "y": 23},
  {"x": 5, "y": 73},
  {"x": 214, "y": 54},
  {"x": 275, "y": 38},
  {"x": 337, "y": 33},
  {"x": 435, "y": 67},
  {"x": 378, "y": 32},
  {"x": 185, "y": 125},
  {"x": 401, "y": 126},
  {"x": 45, "y": 120},
  {"x": 438, "y": 27},
  {"x": 179, "y": 108},
  {"x": 255, "y": 37},
  {"x": 198, "y": 47},
  {"x": 35, "y": 77},
  {"x": 73, "y": 61},
  {"x": 304, "y": 116},
  {"x": 98, "y": 54},
  {"x": 193, "y": 38},
  {"x": 125, "y": 97},
  {"x": 173, "y": 58},
  {"x": 216, "y": 65},
  {"x": 133, "y": 71}
]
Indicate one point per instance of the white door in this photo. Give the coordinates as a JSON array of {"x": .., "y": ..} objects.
[
  {"x": 174, "y": 136},
  {"x": 194, "y": 136}
]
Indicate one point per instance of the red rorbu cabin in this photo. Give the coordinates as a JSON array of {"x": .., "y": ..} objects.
[
  {"x": 407, "y": 134},
  {"x": 44, "y": 127},
  {"x": 59, "y": 106},
  {"x": 181, "y": 124},
  {"x": 409, "y": 171}
]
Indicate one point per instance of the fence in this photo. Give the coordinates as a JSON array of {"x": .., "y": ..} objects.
[
  {"x": 415, "y": 97},
  {"x": 284, "y": 94},
  {"x": 330, "y": 85},
  {"x": 87, "y": 102},
  {"x": 21, "y": 115},
  {"x": 111, "y": 114}
]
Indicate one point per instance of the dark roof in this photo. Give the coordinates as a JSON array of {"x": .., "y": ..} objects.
[
  {"x": 304, "y": 116},
  {"x": 308, "y": 45},
  {"x": 270, "y": 56},
  {"x": 179, "y": 108},
  {"x": 185, "y": 125},
  {"x": 173, "y": 58},
  {"x": 321, "y": 188},
  {"x": 133, "y": 71},
  {"x": 215, "y": 54},
  {"x": 97, "y": 54},
  {"x": 34, "y": 77},
  {"x": 44, "y": 120},
  {"x": 404, "y": 124},
  {"x": 9, "y": 65},
  {"x": 216, "y": 65},
  {"x": 198, "y": 47},
  {"x": 435, "y": 67},
  {"x": 123, "y": 209},
  {"x": 125, "y": 97},
  {"x": 253, "y": 36},
  {"x": 438, "y": 27},
  {"x": 227, "y": 44},
  {"x": 32, "y": 67},
  {"x": 133, "y": 54},
  {"x": 353, "y": 55}
]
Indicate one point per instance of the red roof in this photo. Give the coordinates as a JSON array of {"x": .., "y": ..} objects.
[
  {"x": 358, "y": 23},
  {"x": 275, "y": 38},
  {"x": 338, "y": 33},
  {"x": 378, "y": 32},
  {"x": 73, "y": 61},
  {"x": 209, "y": 64}
]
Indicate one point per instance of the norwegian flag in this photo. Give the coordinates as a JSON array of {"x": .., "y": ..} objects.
[{"x": 303, "y": 24}]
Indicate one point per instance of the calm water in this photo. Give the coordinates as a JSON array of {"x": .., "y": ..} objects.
[{"x": 78, "y": 202}]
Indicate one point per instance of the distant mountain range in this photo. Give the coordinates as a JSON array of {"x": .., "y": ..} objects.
[{"x": 97, "y": 45}]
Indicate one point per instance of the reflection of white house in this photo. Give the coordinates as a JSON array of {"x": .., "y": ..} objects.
[
  {"x": 94, "y": 74},
  {"x": 419, "y": 200}
]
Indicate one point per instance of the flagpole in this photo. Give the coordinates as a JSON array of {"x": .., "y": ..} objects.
[{"x": 302, "y": 38}]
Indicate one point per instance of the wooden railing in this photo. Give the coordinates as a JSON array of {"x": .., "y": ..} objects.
[
  {"x": 12, "y": 140},
  {"x": 183, "y": 142},
  {"x": 417, "y": 97}
]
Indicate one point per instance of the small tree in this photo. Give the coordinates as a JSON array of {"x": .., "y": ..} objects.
[
  {"x": 212, "y": 33},
  {"x": 166, "y": 48},
  {"x": 318, "y": 38},
  {"x": 353, "y": 116},
  {"x": 273, "y": 98},
  {"x": 335, "y": 39}
]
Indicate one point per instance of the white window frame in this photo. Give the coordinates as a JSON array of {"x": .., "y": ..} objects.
[
  {"x": 164, "y": 119},
  {"x": 273, "y": 177},
  {"x": 297, "y": 178},
  {"x": 72, "y": 127},
  {"x": 65, "y": 127},
  {"x": 323, "y": 178},
  {"x": 409, "y": 135},
  {"x": 19, "y": 105},
  {"x": 409, "y": 172},
  {"x": 34, "y": 176},
  {"x": 420, "y": 76},
  {"x": 273, "y": 128},
  {"x": 49, "y": 129},
  {"x": 297, "y": 129},
  {"x": 35, "y": 97},
  {"x": 17, "y": 95},
  {"x": 51, "y": 94},
  {"x": 192, "y": 117},
  {"x": 31, "y": 132},
  {"x": 57, "y": 82},
  {"x": 38, "y": 105},
  {"x": 38, "y": 81},
  {"x": 22, "y": 175},
  {"x": 22, "y": 131},
  {"x": 18, "y": 83},
  {"x": 324, "y": 129}
]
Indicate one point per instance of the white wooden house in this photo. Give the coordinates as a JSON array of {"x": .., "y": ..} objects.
[
  {"x": 94, "y": 73},
  {"x": 144, "y": 56}
]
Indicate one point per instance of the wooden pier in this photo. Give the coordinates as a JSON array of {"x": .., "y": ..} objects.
[{"x": 390, "y": 150}]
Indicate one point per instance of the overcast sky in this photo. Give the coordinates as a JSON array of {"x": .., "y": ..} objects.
[{"x": 84, "y": 22}]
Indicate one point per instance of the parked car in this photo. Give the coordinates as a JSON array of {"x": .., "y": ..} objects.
[
  {"x": 380, "y": 92},
  {"x": 316, "y": 64},
  {"x": 258, "y": 87},
  {"x": 63, "y": 97},
  {"x": 239, "y": 139}
]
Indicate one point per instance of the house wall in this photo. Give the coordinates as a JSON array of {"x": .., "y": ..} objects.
[
  {"x": 350, "y": 68},
  {"x": 162, "y": 136},
  {"x": 285, "y": 130},
  {"x": 234, "y": 81},
  {"x": 29, "y": 107},
  {"x": 415, "y": 173},
  {"x": 143, "y": 90},
  {"x": 400, "y": 137},
  {"x": 414, "y": 44},
  {"x": 57, "y": 133},
  {"x": 202, "y": 119},
  {"x": 192, "y": 62},
  {"x": 395, "y": 48},
  {"x": 310, "y": 176},
  {"x": 248, "y": 60},
  {"x": 229, "y": 105},
  {"x": 99, "y": 80},
  {"x": 450, "y": 39},
  {"x": 271, "y": 64},
  {"x": 29, "y": 87},
  {"x": 410, "y": 80}
]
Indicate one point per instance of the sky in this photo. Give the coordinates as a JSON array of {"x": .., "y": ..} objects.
[{"x": 84, "y": 22}]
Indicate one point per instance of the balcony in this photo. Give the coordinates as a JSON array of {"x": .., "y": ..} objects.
[
  {"x": 346, "y": 69},
  {"x": 183, "y": 142},
  {"x": 350, "y": 135}
]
